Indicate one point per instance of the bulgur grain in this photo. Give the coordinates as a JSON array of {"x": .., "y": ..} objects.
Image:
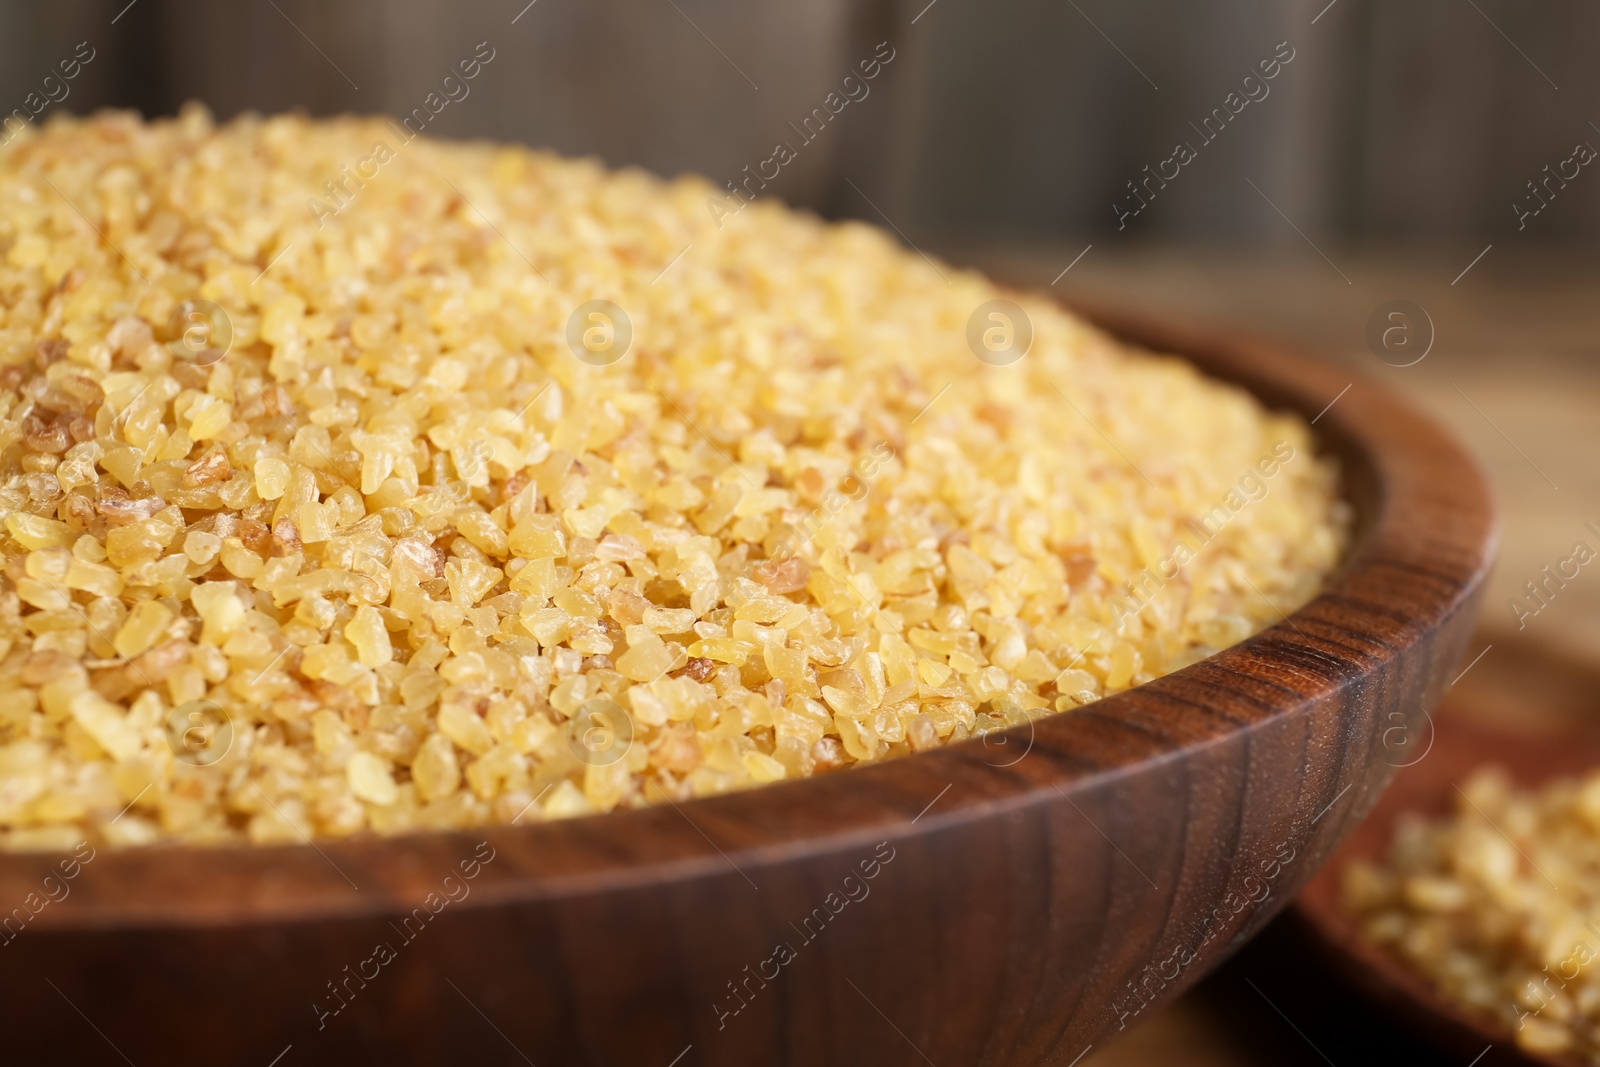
[
  {"x": 1498, "y": 905},
  {"x": 400, "y": 532}
]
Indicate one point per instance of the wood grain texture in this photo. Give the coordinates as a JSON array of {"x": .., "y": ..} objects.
[
  {"x": 1046, "y": 889},
  {"x": 1562, "y": 739}
]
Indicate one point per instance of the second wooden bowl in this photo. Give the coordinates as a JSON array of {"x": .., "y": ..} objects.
[
  {"x": 1010, "y": 901},
  {"x": 1527, "y": 710}
]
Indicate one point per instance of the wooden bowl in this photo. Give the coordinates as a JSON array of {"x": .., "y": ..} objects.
[
  {"x": 1532, "y": 712},
  {"x": 1013, "y": 900}
]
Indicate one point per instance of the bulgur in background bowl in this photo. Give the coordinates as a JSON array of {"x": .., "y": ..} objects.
[
  {"x": 1463, "y": 906},
  {"x": 366, "y": 496}
]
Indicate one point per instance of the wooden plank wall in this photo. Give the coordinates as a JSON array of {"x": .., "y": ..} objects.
[{"x": 1409, "y": 121}]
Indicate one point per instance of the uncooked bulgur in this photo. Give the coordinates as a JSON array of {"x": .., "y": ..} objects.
[
  {"x": 1498, "y": 906},
  {"x": 384, "y": 564}
]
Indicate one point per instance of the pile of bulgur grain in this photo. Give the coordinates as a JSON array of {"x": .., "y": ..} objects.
[
  {"x": 369, "y": 568},
  {"x": 1498, "y": 906}
]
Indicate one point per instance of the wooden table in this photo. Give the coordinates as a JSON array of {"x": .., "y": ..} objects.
[{"x": 1513, "y": 371}]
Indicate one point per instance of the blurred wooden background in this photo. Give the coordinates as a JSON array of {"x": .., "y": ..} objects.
[{"x": 1408, "y": 123}]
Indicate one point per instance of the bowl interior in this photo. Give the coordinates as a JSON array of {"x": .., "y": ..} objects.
[{"x": 1421, "y": 543}]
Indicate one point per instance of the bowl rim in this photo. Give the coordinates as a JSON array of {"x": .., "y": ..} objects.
[{"x": 1424, "y": 540}]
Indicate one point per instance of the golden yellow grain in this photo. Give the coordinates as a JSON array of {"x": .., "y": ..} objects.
[
  {"x": 405, "y": 557},
  {"x": 1499, "y": 906}
]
